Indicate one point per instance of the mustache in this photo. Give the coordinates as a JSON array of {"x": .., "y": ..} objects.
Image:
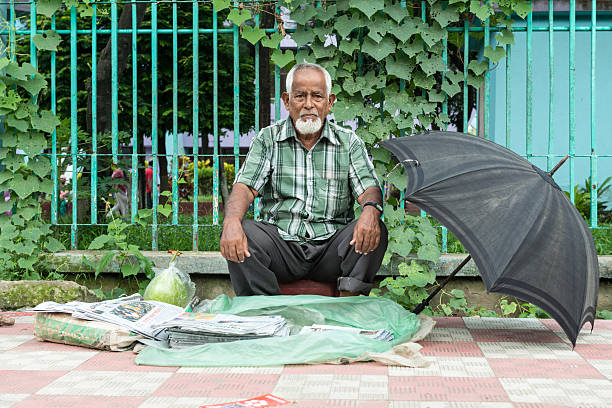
[{"x": 315, "y": 114}]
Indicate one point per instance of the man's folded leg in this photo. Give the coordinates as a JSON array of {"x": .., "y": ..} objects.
[
  {"x": 272, "y": 260},
  {"x": 354, "y": 272}
]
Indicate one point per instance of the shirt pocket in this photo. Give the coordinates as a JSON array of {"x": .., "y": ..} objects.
[{"x": 333, "y": 188}]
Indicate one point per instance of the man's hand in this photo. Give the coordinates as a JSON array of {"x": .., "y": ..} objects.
[
  {"x": 233, "y": 242},
  {"x": 366, "y": 235}
]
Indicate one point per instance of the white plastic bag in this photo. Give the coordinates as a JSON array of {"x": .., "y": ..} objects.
[{"x": 171, "y": 286}]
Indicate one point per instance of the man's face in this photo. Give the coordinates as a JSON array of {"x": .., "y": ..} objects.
[{"x": 307, "y": 102}]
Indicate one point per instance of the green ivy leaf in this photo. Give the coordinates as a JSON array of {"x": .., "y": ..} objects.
[
  {"x": 402, "y": 248},
  {"x": 27, "y": 212},
  {"x": 3, "y": 152},
  {"x": 368, "y": 7},
  {"x": 281, "y": 59},
  {"x": 24, "y": 185},
  {"x": 85, "y": 10},
  {"x": 41, "y": 166},
  {"x": 344, "y": 110},
  {"x": 19, "y": 221},
  {"x": 46, "y": 186},
  {"x": 433, "y": 34},
  {"x": 348, "y": 47},
  {"x": 99, "y": 242},
  {"x": 481, "y": 10},
  {"x": 396, "y": 11},
  {"x": 436, "y": 97},
  {"x": 273, "y": 41},
  {"x": 20, "y": 125},
  {"x": 444, "y": 16},
  {"x": 13, "y": 162},
  {"x": 450, "y": 89},
  {"x": 429, "y": 253},
  {"x": 48, "y": 7},
  {"x": 412, "y": 47},
  {"x": 253, "y": 34},
  {"x": 25, "y": 110},
  {"x": 378, "y": 50},
  {"x": 403, "y": 121},
  {"x": 409, "y": 28},
  {"x": 32, "y": 143},
  {"x": 423, "y": 81},
  {"x": 31, "y": 233},
  {"x": 505, "y": 37},
  {"x": 48, "y": 41},
  {"x": 4, "y": 207},
  {"x": 400, "y": 66},
  {"x": 350, "y": 86},
  {"x": 5, "y": 175},
  {"x": 20, "y": 72},
  {"x": 380, "y": 154},
  {"x": 454, "y": 77},
  {"x": 10, "y": 101},
  {"x": 379, "y": 26},
  {"x": 4, "y": 61},
  {"x": 398, "y": 178},
  {"x": 27, "y": 263},
  {"x": 33, "y": 85},
  {"x": 430, "y": 64},
  {"x": 303, "y": 15},
  {"x": 320, "y": 51},
  {"x": 475, "y": 81},
  {"x": 164, "y": 210},
  {"x": 478, "y": 67},
  {"x": 326, "y": 13},
  {"x": 522, "y": 8},
  {"x": 395, "y": 101},
  {"x": 221, "y": 5},
  {"x": 345, "y": 25},
  {"x": 46, "y": 121},
  {"x": 53, "y": 245},
  {"x": 238, "y": 17},
  {"x": 495, "y": 55},
  {"x": 129, "y": 270}
]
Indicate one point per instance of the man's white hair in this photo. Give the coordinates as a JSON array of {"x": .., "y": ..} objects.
[{"x": 304, "y": 65}]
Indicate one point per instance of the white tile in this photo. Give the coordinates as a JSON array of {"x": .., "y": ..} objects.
[
  {"x": 445, "y": 404},
  {"x": 183, "y": 402},
  {"x": 503, "y": 323},
  {"x": 8, "y": 341},
  {"x": 511, "y": 349},
  {"x": 108, "y": 383},
  {"x": 558, "y": 391},
  {"x": 604, "y": 367},
  {"x": 8, "y": 400},
  {"x": 231, "y": 370},
  {"x": 448, "y": 367},
  {"x": 43, "y": 360},
  {"x": 449, "y": 334}
]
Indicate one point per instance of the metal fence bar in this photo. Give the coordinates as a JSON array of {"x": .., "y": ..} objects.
[
  {"x": 215, "y": 122},
  {"x": 257, "y": 51},
  {"x": 134, "y": 170},
  {"x": 195, "y": 132},
  {"x": 12, "y": 32},
  {"x": 55, "y": 191},
  {"x": 236, "y": 99},
  {"x": 32, "y": 34},
  {"x": 175, "y": 193},
  {"x": 114, "y": 83},
  {"x": 154, "y": 113},
  {"x": 529, "y": 93},
  {"x": 551, "y": 88},
  {"x": 277, "y": 85},
  {"x": 94, "y": 115},
  {"x": 594, "y": 181},
  {"x": 466, "y": 60},
  {"x": 73, "y": 123},
  {"x": 487, "y": 81},
  {"x": 572, "y": 100},
  {"x": 508, "y": 93}
]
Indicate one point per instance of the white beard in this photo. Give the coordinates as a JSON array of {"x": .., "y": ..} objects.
[{"x": 308, "y": 127}]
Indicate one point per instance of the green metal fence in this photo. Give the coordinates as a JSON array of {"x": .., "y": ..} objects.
[{"x": 23, "y": 25}]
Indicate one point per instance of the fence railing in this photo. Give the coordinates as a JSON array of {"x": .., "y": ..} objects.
[{"x": 178, "y": 74}]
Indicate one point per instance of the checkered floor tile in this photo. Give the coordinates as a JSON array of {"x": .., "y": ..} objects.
[{"x": 473, "y": 363}]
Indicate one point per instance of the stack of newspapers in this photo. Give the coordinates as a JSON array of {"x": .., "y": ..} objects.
[
  {"x": 131, "y": 312},
  {"x": 381, "y": 334},
  {"x": 190, "y": 329}
]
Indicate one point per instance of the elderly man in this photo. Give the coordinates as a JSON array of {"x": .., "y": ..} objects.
[{"x": 308, "y": 173}]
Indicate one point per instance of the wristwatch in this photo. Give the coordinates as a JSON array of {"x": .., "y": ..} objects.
[{"x": 373, "y": 204}]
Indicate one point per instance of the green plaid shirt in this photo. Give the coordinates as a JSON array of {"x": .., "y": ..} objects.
[{"x": 308, "y": 195}]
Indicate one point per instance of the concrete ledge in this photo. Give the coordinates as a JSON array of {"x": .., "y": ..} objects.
[{"x": 212, "y": 263}]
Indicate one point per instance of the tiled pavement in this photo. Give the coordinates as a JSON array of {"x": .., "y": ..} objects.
[{"x": 475, "y": 362}]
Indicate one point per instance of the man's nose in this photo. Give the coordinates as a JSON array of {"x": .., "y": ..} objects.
[{"x": 308, "y": 103}]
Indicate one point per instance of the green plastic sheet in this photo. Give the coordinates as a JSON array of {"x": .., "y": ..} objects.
[{"x": 303, "y": 310}]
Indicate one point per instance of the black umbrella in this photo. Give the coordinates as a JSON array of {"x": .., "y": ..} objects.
[{"x": 526, "y": 237}]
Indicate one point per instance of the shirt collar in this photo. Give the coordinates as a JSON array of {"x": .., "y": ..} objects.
[{"x": 289, "y": 132}]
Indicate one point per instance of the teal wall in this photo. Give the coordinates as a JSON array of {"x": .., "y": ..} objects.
[{"x": 560, "y": 133}]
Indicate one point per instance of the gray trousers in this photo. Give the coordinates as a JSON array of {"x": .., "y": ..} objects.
[{"x": 275, "y": 260}]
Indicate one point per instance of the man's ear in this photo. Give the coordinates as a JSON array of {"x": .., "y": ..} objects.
[
  {"x": 285, "y": 98},
  {"x": 332, "y": 100}
]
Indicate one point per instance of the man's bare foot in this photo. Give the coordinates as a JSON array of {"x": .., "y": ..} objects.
[{"x": 345, "y": 293}]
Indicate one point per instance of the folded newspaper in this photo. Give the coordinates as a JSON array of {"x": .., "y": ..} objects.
[
  {"x": 189, "y": 328},
  {"x": 382, "y": 334},
  {"x": 131, "y": 312}
]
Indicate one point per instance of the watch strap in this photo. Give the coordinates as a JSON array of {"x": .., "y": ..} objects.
[{"x": 373, "y": 204}]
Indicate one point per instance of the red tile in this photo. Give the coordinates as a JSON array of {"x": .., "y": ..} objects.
[
  {"x": 600, "y": 324},
  {"x": 457, "y": 349},
  {"x": 371, "y": 368},
  {"x": 542, "y": 368},
  {"x": 18, "y": 328},
  {"x": 118, "y": 361},
  {"x": 217, "y": 385},
  {"x": 450, "y": 322},
  {"x": 26, "y": 381},
  {"x": 594, "y": 351},
  {"x": 71, "y": 401},
  {"x": 446, "y": 389},
  {"x": 526, "y": 336},
  {"x": 538, "y": 405}
]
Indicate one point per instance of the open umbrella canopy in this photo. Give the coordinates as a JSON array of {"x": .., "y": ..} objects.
[{"x": 525, "y": 236}]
